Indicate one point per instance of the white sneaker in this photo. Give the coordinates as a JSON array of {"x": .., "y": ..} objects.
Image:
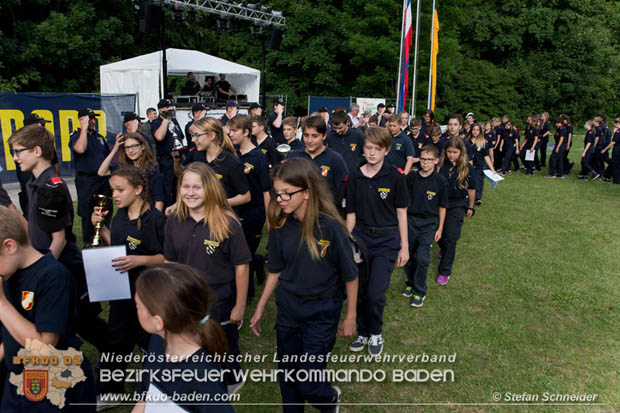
[{"x": 375, "y": 345}]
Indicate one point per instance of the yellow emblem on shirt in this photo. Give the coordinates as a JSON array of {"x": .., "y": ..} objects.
[
  {"x": 264, "y": 150},
  {"x": 430, "y": 194},
  {"x": 210, "y": 246},
  {"x": 27, "y": 300},
  {"x": 132, "y": 242},
  {"x": 325, "y": 170},
  {"x": 248, "y": 167},
  {"x": 383, "y": 192},
  {"x": 324, "y": 244},
  {"x": 398, "y": 145},
  {"x": 353, "y": 146},
  {"x": 219, "y": 176}
]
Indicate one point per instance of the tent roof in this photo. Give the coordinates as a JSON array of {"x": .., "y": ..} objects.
[{"x": 181, "y": 61}]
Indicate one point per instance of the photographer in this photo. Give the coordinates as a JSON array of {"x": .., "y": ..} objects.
[{"x": 168, "y": 141}]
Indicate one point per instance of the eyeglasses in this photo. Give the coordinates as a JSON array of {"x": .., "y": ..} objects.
[
  {"x": 195, "y": 135},
  {"x": 285, "y": 196},
  {"x": 16, "y": 152},
  {"x": 129, "y": 148},
  {"x": 427, "y": 159}
]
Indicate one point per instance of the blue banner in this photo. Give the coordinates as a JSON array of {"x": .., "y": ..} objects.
[
  {"x": 316, "y": 102},
  {"x": 61, "y": 112}
]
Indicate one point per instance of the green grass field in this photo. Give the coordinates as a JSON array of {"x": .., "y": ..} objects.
[{"x": 532, "y": 307}]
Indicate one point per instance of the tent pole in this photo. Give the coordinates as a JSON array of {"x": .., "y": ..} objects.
[{"x": 162, "y": 41}]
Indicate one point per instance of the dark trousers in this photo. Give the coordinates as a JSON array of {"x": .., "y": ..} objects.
[
  {"x": 567, "y": 164},
  {"x": 166, "y": 167},
  {"x": 305, "y": 327},
  {"x": 82, "y": 392},
  {"x": 543, "y": 150},
  {"x": 529, "y": 165},
  {"x": 615, "y": 165},
  {"x": 90, "y": 326},
  {"x": 479, "y": 175},
  {"x": 586, "y": 163},
  {"x": 252, "y": 223},
  {"x": 509, "y": 151},
  {"x": 451, "y": 234},
  {"x": 556, "y": 162},
  {"x": 382, "y": 251},
  {"x": 226, "y": 298},
  {"x": 497, "y": 159},
  {"x": 421, "y": 233}
]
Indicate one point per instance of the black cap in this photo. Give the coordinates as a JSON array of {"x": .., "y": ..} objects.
[
  {"x": 87, "y": 112},
  {"x": 255, "y": 106},
  {"x": 381, "y": 105},
  {"x": 52, "y": 205},
  {"x": 390, "y": 105},
  {"x": 164, "y": 103},
  {"x": 231, "y": 103},
  {"x": 323, "y": 109},
  {"x": 34, "y": 118},
  {"x": 198, "y": 107},
  {"x": 278, "y": 102},
  {"x": 131, "y": 116}
]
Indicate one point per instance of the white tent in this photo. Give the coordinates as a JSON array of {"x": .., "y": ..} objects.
[{"x": 143, "y": 75}]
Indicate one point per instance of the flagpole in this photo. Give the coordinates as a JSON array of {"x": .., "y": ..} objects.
[
  {"x": 415, "y": 60},
  {"x": 400, "y": 60},
  {"x": 430, "y": 67}
]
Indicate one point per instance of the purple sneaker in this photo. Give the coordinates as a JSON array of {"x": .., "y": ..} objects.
[{"x": 442, "y": 279}]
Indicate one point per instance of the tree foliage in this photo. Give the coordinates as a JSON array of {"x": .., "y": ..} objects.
[{"x": 495, "y": 56}]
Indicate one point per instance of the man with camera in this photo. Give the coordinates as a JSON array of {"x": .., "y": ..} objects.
[{"x": 168, "y": 142}]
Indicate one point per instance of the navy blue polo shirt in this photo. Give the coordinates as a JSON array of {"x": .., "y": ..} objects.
[
  {"x": 561, "y": 132},
  {"x": 5, "y": 200},
  {"x": 212, "y": 390},
  {"x": 331, "y": 164},
  {"x": 491, "y": 139},
  {"x": 302, "y": 275},
  {"x": 40, "y": 239},
  {"x": 589, "y": 139},
  {"x": 256, "y": 171},
  {"x": 276, "y": 133},
  {"x": 402, "y": 147},
  {"x": 426, "y": 194},
  {"x": 457, "y": 196},
  {"x": 509, "y": 138},
  {"x": 531, "y": 134},
  {"x": 147, "y": 240},
  {"x": 268, "y": 147},
  {"x": 190, "y": 242},
  {"x": 227, "y": 168},
  {"x": 439, "y": 144},
  {"x": 350, "y": 145},
  {"x": 479, "y": 154},
  {"x": 44, "y": 294},
  {"x": 420, "y": 141},
  {"x": 97, "y": 149},
  {"x": 224, "y": 119},
  {"x": 374, "y": 200},
  {"x": 616, "y": 139},
  {"x": 546, "y": 127},
  {"x": 296, "y": 145},
  {"x": 165, "y": 146}
]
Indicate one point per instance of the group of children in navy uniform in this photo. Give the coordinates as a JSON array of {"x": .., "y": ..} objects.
[{"x": 394, "y": 189}]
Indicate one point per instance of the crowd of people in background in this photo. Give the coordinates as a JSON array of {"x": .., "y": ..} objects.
[{"x": 344, "y": 196}]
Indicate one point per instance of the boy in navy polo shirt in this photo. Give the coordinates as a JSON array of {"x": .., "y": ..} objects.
[
  {"x": 289, "y": 129},
  {"x": 37, "y": 302},
  {"x": 332, "y": 165},
  {"x": 50, "y": 221},
  {"x": 377, "y": 214},
  {"x": 428, "y": 198},
  {"x": 264, "y": 141},
  {"x": 89, "y": 150},
  {"x": 402, "y": 155},
  {"x": 556, "y": 160},
  {"x": 346, "y": 141}
]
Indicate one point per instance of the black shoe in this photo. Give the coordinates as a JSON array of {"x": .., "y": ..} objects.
[{"x": 595, "y": 177}]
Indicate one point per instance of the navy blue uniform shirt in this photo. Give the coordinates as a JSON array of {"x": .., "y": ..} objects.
[
  {"x": 374, "y": 200},
  {"x": 426, "y": 194},
  {"x": 268, "y": 147},
  {"x": 302, "y": 275},
  {"x": 332, "y": 165},
  {"x": 276, "y": 133},
  {"x": 402, "y": 147},
  {"x": 457, "y": 196},
  {"x": 256, "y": 171},
  {"x": 589, "y": 139},
  {"x": 559, "y": 133},
  {"x": 190, "y": 242},
  {"x": 227, "y": 168},
  {"x": 165, "y": 146},
  {"x": 479, "y": 154},
  {"x": 491, "y": 139},
  {"x": 296, "y": 145},
  {"x": 97, "y": 149},
  {"x": 350, "y": 145}
]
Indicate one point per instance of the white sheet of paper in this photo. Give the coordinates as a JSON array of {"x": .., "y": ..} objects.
[
  {"x": 104, "y": 282},
  {"x": 493, "y": 176},
  {"x": 529, "y": 155},
  {"x": 159, "y": 402}
]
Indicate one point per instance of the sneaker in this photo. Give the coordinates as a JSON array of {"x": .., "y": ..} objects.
[
  {"x": 106, "y": 401},
  {"x": 442, "y": 279},
  {"x": 234, "y": 388},
  {"x": 560, "y": 177},
  {"x": 479, "y": 202},
  {"x": 337, "y": 399},
  {"x": 359, "y": 344},
  {"x": 407, "y": 291},
  {"x": 417, "y": 300},
  {"x": 595, "y": 177},
  {"x": 375, "y": 345},
  {"x": 580, "y": 176},
  {"x": 549, "y": 176}
]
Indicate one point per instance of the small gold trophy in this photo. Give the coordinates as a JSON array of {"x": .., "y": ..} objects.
[{"x": 100, "y": 201}]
